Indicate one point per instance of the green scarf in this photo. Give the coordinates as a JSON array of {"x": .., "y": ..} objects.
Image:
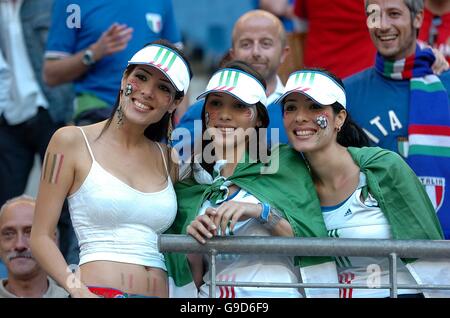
[
  {"x": 400, "y": 194},
  {"x": 407, "y": 207},
  {"x": 289, "y": 190}
]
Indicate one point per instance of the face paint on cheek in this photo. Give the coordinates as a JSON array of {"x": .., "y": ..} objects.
[
  {"x": 134, "y": 83},
  {"x": 250, "y": 113},
  {"x": 206, "y": 119},
  {"x": 322, "y": 121},
  {"x": 134, "y": 86},
  {"x": 130, "y": 87},
  {"x": 128, "y": 90},
  {"x": 212, "y": 117}
]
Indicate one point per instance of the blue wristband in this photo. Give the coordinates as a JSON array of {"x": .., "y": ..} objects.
[{"x": 264, "y": 216}]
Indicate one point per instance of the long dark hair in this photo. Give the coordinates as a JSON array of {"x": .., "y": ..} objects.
[
  {"x": 260, "y": 108},
  {"x": 156, "y": 131},
  {"x": 350, "y": 134}
]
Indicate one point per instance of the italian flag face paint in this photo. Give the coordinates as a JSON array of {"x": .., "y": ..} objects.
[
  {"x": 52, "y": 167},
  {"x": 250, "y": 113}
]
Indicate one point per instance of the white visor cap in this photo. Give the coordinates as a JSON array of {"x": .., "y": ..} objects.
[
  {"x": 237, "y": 83},
  {"x": 318, "y": 86},
  {"x": 167, "y": 61}
]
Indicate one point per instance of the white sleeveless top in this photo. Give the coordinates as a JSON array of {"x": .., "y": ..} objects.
[
  {"x": 115, "y": 222},
  {"x": 355, "y": 219}
]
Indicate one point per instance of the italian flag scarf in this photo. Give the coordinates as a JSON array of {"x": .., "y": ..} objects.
[
  {"x": 286, "y": 185},
  {"x": 429, "y": 126}
]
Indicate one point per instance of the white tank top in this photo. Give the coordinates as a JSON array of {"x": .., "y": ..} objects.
[
  {"x": 355, "y": 219},
  {"x": 115, "y": 222}
]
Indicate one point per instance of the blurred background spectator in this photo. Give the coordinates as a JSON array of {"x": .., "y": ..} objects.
[
  {"x": 25, "y": 277},
  {"x": 436, "y": 26},
  {"x": 90, "y": 43},
  {"x": 295, "y": 33},
  {"x": 30, "y": 111},
  {"x": 337, "y": 38}
]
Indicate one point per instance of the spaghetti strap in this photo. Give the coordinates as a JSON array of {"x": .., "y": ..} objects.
[
  {"x": 164, "y": 160},
  {"x": 87, "y": 143}
]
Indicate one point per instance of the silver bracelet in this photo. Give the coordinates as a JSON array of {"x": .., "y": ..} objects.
[{"x": 275, "y": 217}]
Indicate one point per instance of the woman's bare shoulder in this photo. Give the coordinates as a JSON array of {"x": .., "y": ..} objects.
[
  {"x": 67, "y": 136},
  {"x": 72, "y": 136}
]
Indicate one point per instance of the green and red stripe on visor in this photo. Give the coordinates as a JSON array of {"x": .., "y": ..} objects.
[
  {"x": 167, "y": 61},
  {"x": 238, "y": 84},
  {"x": 316, "y": 85}
]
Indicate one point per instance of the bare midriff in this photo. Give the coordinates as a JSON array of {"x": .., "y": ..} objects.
[{"x": 128, "y": 278}]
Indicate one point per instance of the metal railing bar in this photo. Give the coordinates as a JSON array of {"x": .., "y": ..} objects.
[
  {"x": 392, "y": 249},
  {"x": 306, "y": 246},
  {"x": 212, "y": 274},
  {"x": 393, "y": 274}
]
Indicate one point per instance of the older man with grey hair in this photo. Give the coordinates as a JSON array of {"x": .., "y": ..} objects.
[{"x": 26, "y": 279}]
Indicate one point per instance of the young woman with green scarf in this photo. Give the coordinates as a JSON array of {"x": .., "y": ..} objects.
[
  {"x": 364, "y": 192},
  {"x": 239, "y": 187}
]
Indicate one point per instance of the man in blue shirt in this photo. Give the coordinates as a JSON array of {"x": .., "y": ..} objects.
[
  {"x": 399, "y": 107},
  {"x": 90, "y": 43},
  {"x": 259, "y": 39},
  {"x": 380, "y": 106}
]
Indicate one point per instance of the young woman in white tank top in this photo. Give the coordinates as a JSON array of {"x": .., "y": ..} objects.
[
  {"x": 250, "y": 203},
  {"x": 364, "y": 192},
  {"x": 118, "y": 181}
]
